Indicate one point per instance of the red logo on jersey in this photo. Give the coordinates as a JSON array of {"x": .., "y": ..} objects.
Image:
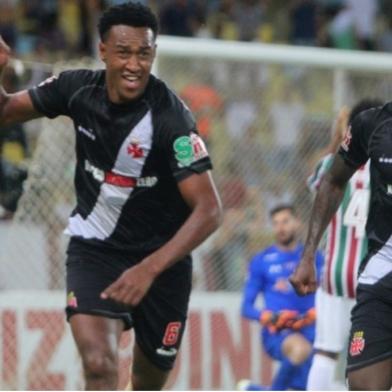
[
  {"x": 172, "y": 333},
  {"x": 135, "y": 150},
  {"x": 347, "y": 139},
  {"x": 357, "y": 344}
]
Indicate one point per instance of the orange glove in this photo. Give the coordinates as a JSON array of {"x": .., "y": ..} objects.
[
  {"x": 276, "y": 321},
  {"x": 308, "y": 319}
]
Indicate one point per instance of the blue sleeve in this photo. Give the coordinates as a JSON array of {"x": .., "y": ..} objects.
[{"x": 253, "y": 286}]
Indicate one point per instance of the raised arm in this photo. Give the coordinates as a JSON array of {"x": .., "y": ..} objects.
[
  {"x": 326, "y": 203},
  {"x": 16, "y": 107}
]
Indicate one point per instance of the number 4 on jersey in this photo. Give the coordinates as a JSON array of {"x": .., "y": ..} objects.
[{"x": 357, "y": 211}]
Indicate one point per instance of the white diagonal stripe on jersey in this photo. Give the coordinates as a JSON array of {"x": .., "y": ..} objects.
[
  {"x": 103, "y": 219},
  {"x": 378, "y": 266}
]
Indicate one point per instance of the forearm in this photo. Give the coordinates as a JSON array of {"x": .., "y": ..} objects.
[
  {"x": 202, "y": 222},
  {"x": 327, "y": 201},
  {"x": 249, "y": 311}
]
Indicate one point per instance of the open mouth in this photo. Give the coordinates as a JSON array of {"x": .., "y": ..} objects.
[{"x": 131, "y": 81}]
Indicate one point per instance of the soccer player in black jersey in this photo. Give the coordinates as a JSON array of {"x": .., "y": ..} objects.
[
  {"x": 369, "y": 358},
  {"x": 145, "y": 200}
]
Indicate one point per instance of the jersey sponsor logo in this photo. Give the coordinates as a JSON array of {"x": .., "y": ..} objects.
[
  {"x": 88, "y": 132},
  {"x": 135, "y": 150},
  {"x": 275, "y": 269},
  {"x": 385, "y": 160},
  {"x": 166, "y": 352},
  {"x": 146, "y": 182},
  {"x": 347, "y": 140},
  {"x": 189, "y": 149},
  {"x": 98, "y": 174},
  {"x": 282, "y": 285},
  {"x": 357, "y": 344},
  {"x": 118, "y": 179},
  {"x": 48, "y": 81},
  {"x": 271, "y": 256}
]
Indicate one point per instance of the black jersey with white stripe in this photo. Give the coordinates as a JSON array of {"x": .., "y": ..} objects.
[
  {"x": 130, "y": 158},
  {"x": 370, "y": 137}
]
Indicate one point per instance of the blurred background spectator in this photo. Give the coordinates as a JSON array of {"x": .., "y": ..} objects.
[
  {"x": 53, "y": 29},
  {"x": 263, "y": 123}
]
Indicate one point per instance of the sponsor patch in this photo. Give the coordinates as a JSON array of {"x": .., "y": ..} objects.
[
  {"x": 189, "y": 149},
  {"x": 357, "y": 344}
]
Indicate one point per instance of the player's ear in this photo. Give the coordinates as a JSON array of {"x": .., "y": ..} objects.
[{"x": 102, "y": 51}]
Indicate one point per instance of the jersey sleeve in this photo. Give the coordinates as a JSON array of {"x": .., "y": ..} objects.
[
  {"x": 51, "y": 97},
  {"x": 322, "y": 166},
  {"x": 254, "y": 285},
  {"x": 182, "y": 146},
  {"x": 354, "y": 148}
]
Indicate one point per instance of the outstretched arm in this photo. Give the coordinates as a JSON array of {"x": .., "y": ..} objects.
[
  {"x": 16, "y": 107},
  {"x": 199, "y": 193},
  {"x": 252, "y": 288},
  {"x": 326, "y": 203}
]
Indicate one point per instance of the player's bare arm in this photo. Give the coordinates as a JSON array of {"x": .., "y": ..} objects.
[
  {"x": 16, "y": 107},
  {"x": 200, "y": 194},
  {"x": 326, "y": 203}
]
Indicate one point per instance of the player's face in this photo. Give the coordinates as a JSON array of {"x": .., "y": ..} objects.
[
  {"x": 128, "y": 53},
  {"x": 285, "y": 227}
]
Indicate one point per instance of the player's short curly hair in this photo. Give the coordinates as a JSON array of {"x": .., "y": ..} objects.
[{"x": 129, "y": 14}]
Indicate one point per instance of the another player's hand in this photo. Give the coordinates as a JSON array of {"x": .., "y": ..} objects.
[
  {"x": 131, "y": 286},
  {"x": 304, "y": 278},
  {"x": 308, "y": 319},
  {"x": 276, "y": 321},
  {"x": 5, "y": 52}
]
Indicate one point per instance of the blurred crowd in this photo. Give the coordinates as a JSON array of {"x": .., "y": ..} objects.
[
  {"x": 265, "y": 125},
  {"x": 52, "y": 29}
]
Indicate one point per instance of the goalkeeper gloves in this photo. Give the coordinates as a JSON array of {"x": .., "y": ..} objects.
[
  {"x": 308, "y": 319},
  {"x": 276, "y": 321}
]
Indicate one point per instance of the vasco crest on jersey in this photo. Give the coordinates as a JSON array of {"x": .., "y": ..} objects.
[
  {"x": 189, "y": 149},
  {"x": 347, "y": 139}
]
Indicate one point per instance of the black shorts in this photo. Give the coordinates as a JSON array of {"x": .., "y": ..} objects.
[
  {"x": 371, "y": 325},
  {"x": 158, "y": 321}
]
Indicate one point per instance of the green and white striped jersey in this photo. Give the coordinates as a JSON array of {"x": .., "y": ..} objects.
[{"x": 345, "y": 242}]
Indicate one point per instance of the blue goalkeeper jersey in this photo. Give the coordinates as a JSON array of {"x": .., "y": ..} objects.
[{"x": 268, "y": 274}]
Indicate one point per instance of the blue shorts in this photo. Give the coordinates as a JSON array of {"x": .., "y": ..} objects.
[{"x": 273, "y": 346}]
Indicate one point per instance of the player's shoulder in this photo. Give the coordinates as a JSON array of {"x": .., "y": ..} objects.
[
  {"x": 370, "y": 118},
  {"x": 269, "y": 254},
  {"x": 83, "y": 76},
  {"x": 164, "y": 101}
]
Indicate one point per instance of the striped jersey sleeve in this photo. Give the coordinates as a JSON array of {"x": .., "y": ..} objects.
[{"x": 322, "y": 166}]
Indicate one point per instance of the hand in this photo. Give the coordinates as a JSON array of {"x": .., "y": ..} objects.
[
  {"x": 276, "y": 321},
  {"x": 304, "y": 277},
  {"x": 5, "y": 52},
  {"x": 308, "y": 319},
  {"x": 342, "y": 121},
  {"x": 131, "y": 286}
]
